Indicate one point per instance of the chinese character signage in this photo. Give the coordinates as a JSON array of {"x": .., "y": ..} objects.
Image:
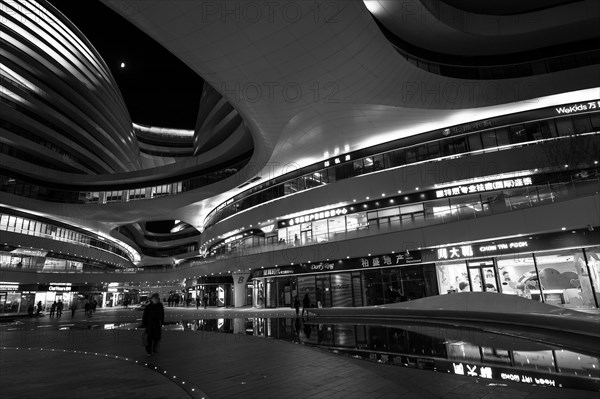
[
  {"x": 483, "y": 187},
  {"x": 315, "y": 216},
  {"x": 406, "y": 257},
  {"x": 481, "y": 249}
]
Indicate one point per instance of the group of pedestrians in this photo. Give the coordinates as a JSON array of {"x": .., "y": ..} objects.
[
  {"x": 56, "y": 307},
  {"x": 203, "y": 301},
  {"x": 305, "y": 304}
]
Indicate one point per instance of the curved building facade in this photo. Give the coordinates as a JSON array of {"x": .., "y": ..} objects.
[{"x": 347, "y": 156}]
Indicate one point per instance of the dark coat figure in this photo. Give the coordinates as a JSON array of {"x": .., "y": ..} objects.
[
  {"x": 94, "y": 304},
  {"x": 73, "y": 308},
  {"x": 197, "y": 302},
  {"x": 39, "y": 308},
  {"x": 86, "y": 308},
  {"x": 305, "y": 304},
  {"x": 205, "y": 299},
  {"x": 152, "y": 321},
  {"x": 297, "y": 305},
  {"x": 52, "y": 309},
  {"x": 59, "y": 308}
]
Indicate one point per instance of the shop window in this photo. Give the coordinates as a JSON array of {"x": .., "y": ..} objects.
[
  {"x": 368, "y": 165},
  {"x": 582, "y": 124},
  {"x": 453, "y": 277},
  {"x": 593, "y": 262},
  {"x": 337, "y": 225},
  {"x": 358, "y": 167},
  {"x": 488, "y": 139},
  {"x": 378, "y": 162},
  {"x": 548, "y": 129},
  {"x": 564, "y": 126},
  {"x": 564, "y": 279},
  {"x": 392, "y": 285},
  {"x": 475, "y": 142},
  {"x": 306, "y": 286},
  {"x": 373, "y": 287},
  {"x": 517, "y": 275},
  {"x": 455, "y": 146},
  {"x": 595, "y": 120},
  {"x": 434, "y": 150},
  {"x": 502, "y": 137},
  {"x": 320, "y": 233}
]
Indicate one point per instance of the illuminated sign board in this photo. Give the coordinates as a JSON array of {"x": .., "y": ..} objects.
[
  {"x": 483, "y": 187},
  {"x": 578, "y": 107},
  {"x": 63, "y": 287},
  {"x": 469, "y": 127},
  {"x": 336, "y": 160},
  {"x": 406, "y": 257},
  {"x": 474, "y": 250},
  {"x": 317, "y": 216},
  {"x": 8, "y": 286}
]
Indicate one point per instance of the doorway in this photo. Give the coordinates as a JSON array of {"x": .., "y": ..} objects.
[{"x": 483, "y": 276}]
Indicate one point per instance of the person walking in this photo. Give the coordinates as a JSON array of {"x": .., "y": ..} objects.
[
  {"x": 73, "y": 308},
  {"x": 205, "y": 298},
  {"x": 197, "y": 302},
  {"x": 86, "y": 308},
  {"x": 93, "y": 308},
  {"x": 39, "y": 308},
  {"x": 53, "y": 309},
  {"x": 152, "y": 321},
  {"x": 297, "y": 305},
  {"x": 59, "y": 308},
  {"x": 305, "y": 304}
]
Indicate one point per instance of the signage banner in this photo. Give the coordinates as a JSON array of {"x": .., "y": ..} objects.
[
  {"x": 483, "y": 187},
  {"x": 526, "y": 244},
  {"x": 393, "y": 259}
]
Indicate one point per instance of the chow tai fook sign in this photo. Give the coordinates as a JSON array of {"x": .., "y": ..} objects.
[
  {"x": 315, "y": 216},
  {"x": 394, "y": 259},
  {"x": 483, "y": 187},
  {"x": 484, "y": 249}
]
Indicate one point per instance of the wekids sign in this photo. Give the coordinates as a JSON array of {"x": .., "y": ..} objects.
[{"x": 579, "y": 107}]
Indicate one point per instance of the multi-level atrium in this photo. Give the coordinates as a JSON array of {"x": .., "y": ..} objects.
[{"x": 404, "y": 194}]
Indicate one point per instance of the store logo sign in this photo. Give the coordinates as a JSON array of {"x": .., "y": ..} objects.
[
  {"x": 317, "y": 216},
  {"x": 483, "y": 187},
  {"x": 581, "y": 107},
  {"x": 322, "y": 266}
]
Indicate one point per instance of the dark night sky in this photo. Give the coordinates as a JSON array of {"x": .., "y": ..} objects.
[{"x": 158, "y": 88}]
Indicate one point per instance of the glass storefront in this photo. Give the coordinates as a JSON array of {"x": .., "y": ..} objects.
[
  {"x": 347, "y": 289},
  {"x": 568, "y": 277},
  {"x": 561, "y": 277}
]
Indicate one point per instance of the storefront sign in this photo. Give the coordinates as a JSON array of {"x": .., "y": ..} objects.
[
  {"x": 485, "y": 249},
  {"x": 8, "y": 286},
  {"x": 59, "y": 287},
  {"x": 579, "y": 107},
  {"x": 483, "y": 187},
  {"x": 336, "y": 160},
  {"x": 316, "y": 216},
  {"x": 469, "y": 127},
  {"x": 407, "y": 257}
]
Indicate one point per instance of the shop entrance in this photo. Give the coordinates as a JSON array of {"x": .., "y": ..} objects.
[
  {"x": 482, "y": 276},
  {"x": 323, "y": 292}
]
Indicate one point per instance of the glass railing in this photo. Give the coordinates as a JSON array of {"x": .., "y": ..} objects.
[
  {"x": 535, "y": 197},
  {"x": 503, "y": 202},
  {"x": 483, "y": 141},
  {"x": 84, "y": 241}
]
